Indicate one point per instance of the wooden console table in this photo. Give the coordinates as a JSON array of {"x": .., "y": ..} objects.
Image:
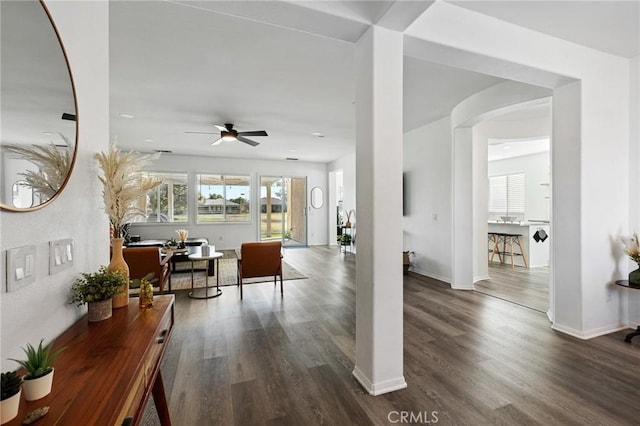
[{"x": 109, "y": 368}]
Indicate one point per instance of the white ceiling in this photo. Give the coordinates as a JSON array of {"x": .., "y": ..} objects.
[
  {"x": 288, "y": 68},
  {"x": 611, "y": 26},
  {"x": 502, "y": 149}
]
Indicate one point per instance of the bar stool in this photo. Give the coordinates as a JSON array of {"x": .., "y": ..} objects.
[
  {"x": 494, "y": 244},
  {"x": 510, "y": 239}
]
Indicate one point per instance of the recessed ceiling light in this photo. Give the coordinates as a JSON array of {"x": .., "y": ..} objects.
[
  {"x": 163, "y": 151},
  {"x": 48, "y": 133},
  {"x": 318, "y": 134},
  {"x": 148, "y": 140},
  {"x": 506, "y": 147},
  {"x": 293, "y": 150},
  {"x": 292, "y": 159},
  {"x": 125, "y": 115}
]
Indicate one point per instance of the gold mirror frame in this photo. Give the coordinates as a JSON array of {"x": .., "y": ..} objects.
[{"x": 10, "y": 208}]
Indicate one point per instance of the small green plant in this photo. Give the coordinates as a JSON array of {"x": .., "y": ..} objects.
[
  {"x": 10, "y": 384},
  {"x": 97, "y": 286},
  {"x": 345, "y": 239},
  {"x": 39, "y": 361},
  {"x": 172, "y": 242}
]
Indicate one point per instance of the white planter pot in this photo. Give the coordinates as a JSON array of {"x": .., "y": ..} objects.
[
  {"x": 9, "y": 407},
  {"x": 37, "y": 388}
]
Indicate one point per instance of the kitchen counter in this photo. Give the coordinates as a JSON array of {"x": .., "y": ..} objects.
[{"x": 537, "y": 252}]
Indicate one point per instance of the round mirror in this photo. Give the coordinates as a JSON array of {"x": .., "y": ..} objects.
[
  {"x": 317, "y": 198},
  {"x": 38, "y": 127}
]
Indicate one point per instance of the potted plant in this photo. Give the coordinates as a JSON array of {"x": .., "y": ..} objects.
[
  {"x": 11, "y": 389},
  {"x": 97, "y": 289},
  {"x": 345, "y": 239},
  {"x": 39, "y": 370},
  {"x": 172, "y": 243}
]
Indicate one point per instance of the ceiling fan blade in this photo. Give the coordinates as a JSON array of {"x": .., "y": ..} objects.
[
  {"x": 221, "y": 128},
  {"x": 203, "y": 133},
  {"x": 254, "y": 133},
  {"x": 248, "y": 141},
  {"x": 218, "y": 142}
]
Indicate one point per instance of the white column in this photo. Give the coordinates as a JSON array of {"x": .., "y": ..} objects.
[
  {"x": 462, "y": 249},
  {"x": 379, "y": 277},
  {"x": 566, "y": 299}
]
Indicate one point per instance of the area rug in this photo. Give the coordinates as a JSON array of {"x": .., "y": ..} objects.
[{"x": 228, "y": 274}]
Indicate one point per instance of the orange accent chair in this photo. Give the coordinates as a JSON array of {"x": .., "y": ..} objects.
[
  {"x": 143, "y": 260},
  {"x": 260, "y": 260}
]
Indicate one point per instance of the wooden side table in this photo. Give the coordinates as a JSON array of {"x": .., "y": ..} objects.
[{"x": 627, "y": 284}]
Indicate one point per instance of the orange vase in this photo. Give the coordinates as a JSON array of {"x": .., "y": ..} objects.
[{"x": 118, "y": 264}]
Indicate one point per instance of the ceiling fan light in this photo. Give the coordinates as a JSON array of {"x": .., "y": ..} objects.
[{"x": 227, "y": 136}]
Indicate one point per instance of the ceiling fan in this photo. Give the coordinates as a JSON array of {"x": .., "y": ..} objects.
[{"x": 229, "y": 134}]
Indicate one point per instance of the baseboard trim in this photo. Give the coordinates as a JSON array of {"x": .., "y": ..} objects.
[
  {"x": 430, "y": 275},
  {"x": 589, "y": 334},
  {"x": 376, "y": 389},
  {"x": 482, "y": 278},
  {"x": 462, "y": 288}
]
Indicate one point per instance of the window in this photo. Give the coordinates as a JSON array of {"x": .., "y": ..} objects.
[
  {"x": 223, "y": 198},
  {"x": 506, "y": 194},
  {"x": 168, "y": 201}
]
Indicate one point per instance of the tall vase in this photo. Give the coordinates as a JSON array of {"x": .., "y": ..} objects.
[
  {"x": 118, "y": 264},
  {"x": 634, "y": 276}
]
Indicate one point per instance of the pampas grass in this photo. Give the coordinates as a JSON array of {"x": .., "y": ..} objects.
[
  {"x": 124, "y": 185},
  {"x": 53, "y": 165}
]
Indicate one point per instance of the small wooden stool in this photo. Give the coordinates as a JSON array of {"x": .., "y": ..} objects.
[
  {"x": 494, "y": 244},
  {"x": 511, "y": 239}
]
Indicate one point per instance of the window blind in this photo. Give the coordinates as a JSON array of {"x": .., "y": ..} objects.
[{"x": 506, "y": 194}]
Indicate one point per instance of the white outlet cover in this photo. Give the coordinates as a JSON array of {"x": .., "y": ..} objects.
[
  {"x": 21, "y": 267},
  {"x": 60, "y": 255}
]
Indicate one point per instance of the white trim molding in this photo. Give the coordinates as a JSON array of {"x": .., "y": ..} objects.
[{"x": 376, "y": 389}]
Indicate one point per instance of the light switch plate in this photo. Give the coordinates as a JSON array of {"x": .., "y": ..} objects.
[
  {"x": 21, "y": 267},
  {"x": 60, "y": 255}
]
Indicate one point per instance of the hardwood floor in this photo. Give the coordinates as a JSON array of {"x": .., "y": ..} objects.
[
  {"x": 525, "y": 286},
  {"x": 470, "y": 359}
]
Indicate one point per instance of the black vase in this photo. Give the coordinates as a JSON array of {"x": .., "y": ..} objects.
[{"x": 634, "y": 277}]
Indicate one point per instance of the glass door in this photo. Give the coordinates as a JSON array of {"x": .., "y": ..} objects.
[{"x": 283, "y": 208}]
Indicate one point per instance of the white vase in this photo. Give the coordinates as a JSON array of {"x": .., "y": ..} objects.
[
  {"x": 37, "y": 388},
  {"x": 9, "y": 407}
]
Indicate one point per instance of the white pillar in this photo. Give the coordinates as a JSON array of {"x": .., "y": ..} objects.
[
  {"x": 379, "y": 277},
  {"x": 462, "y": 249}
]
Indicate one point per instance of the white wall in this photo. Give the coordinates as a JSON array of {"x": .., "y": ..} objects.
[
  {"x": 346, "y": 165},
  {"x": 231, "y": 235},
  {"x": 427, "y": 173},
  {"x": 596, "y": 146},
  {"x": 41, "y": 310},
  {"x": 634, "y": 178},
  {"x": 480, "y": 195},
  {"x": 536, "y": 170}
]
